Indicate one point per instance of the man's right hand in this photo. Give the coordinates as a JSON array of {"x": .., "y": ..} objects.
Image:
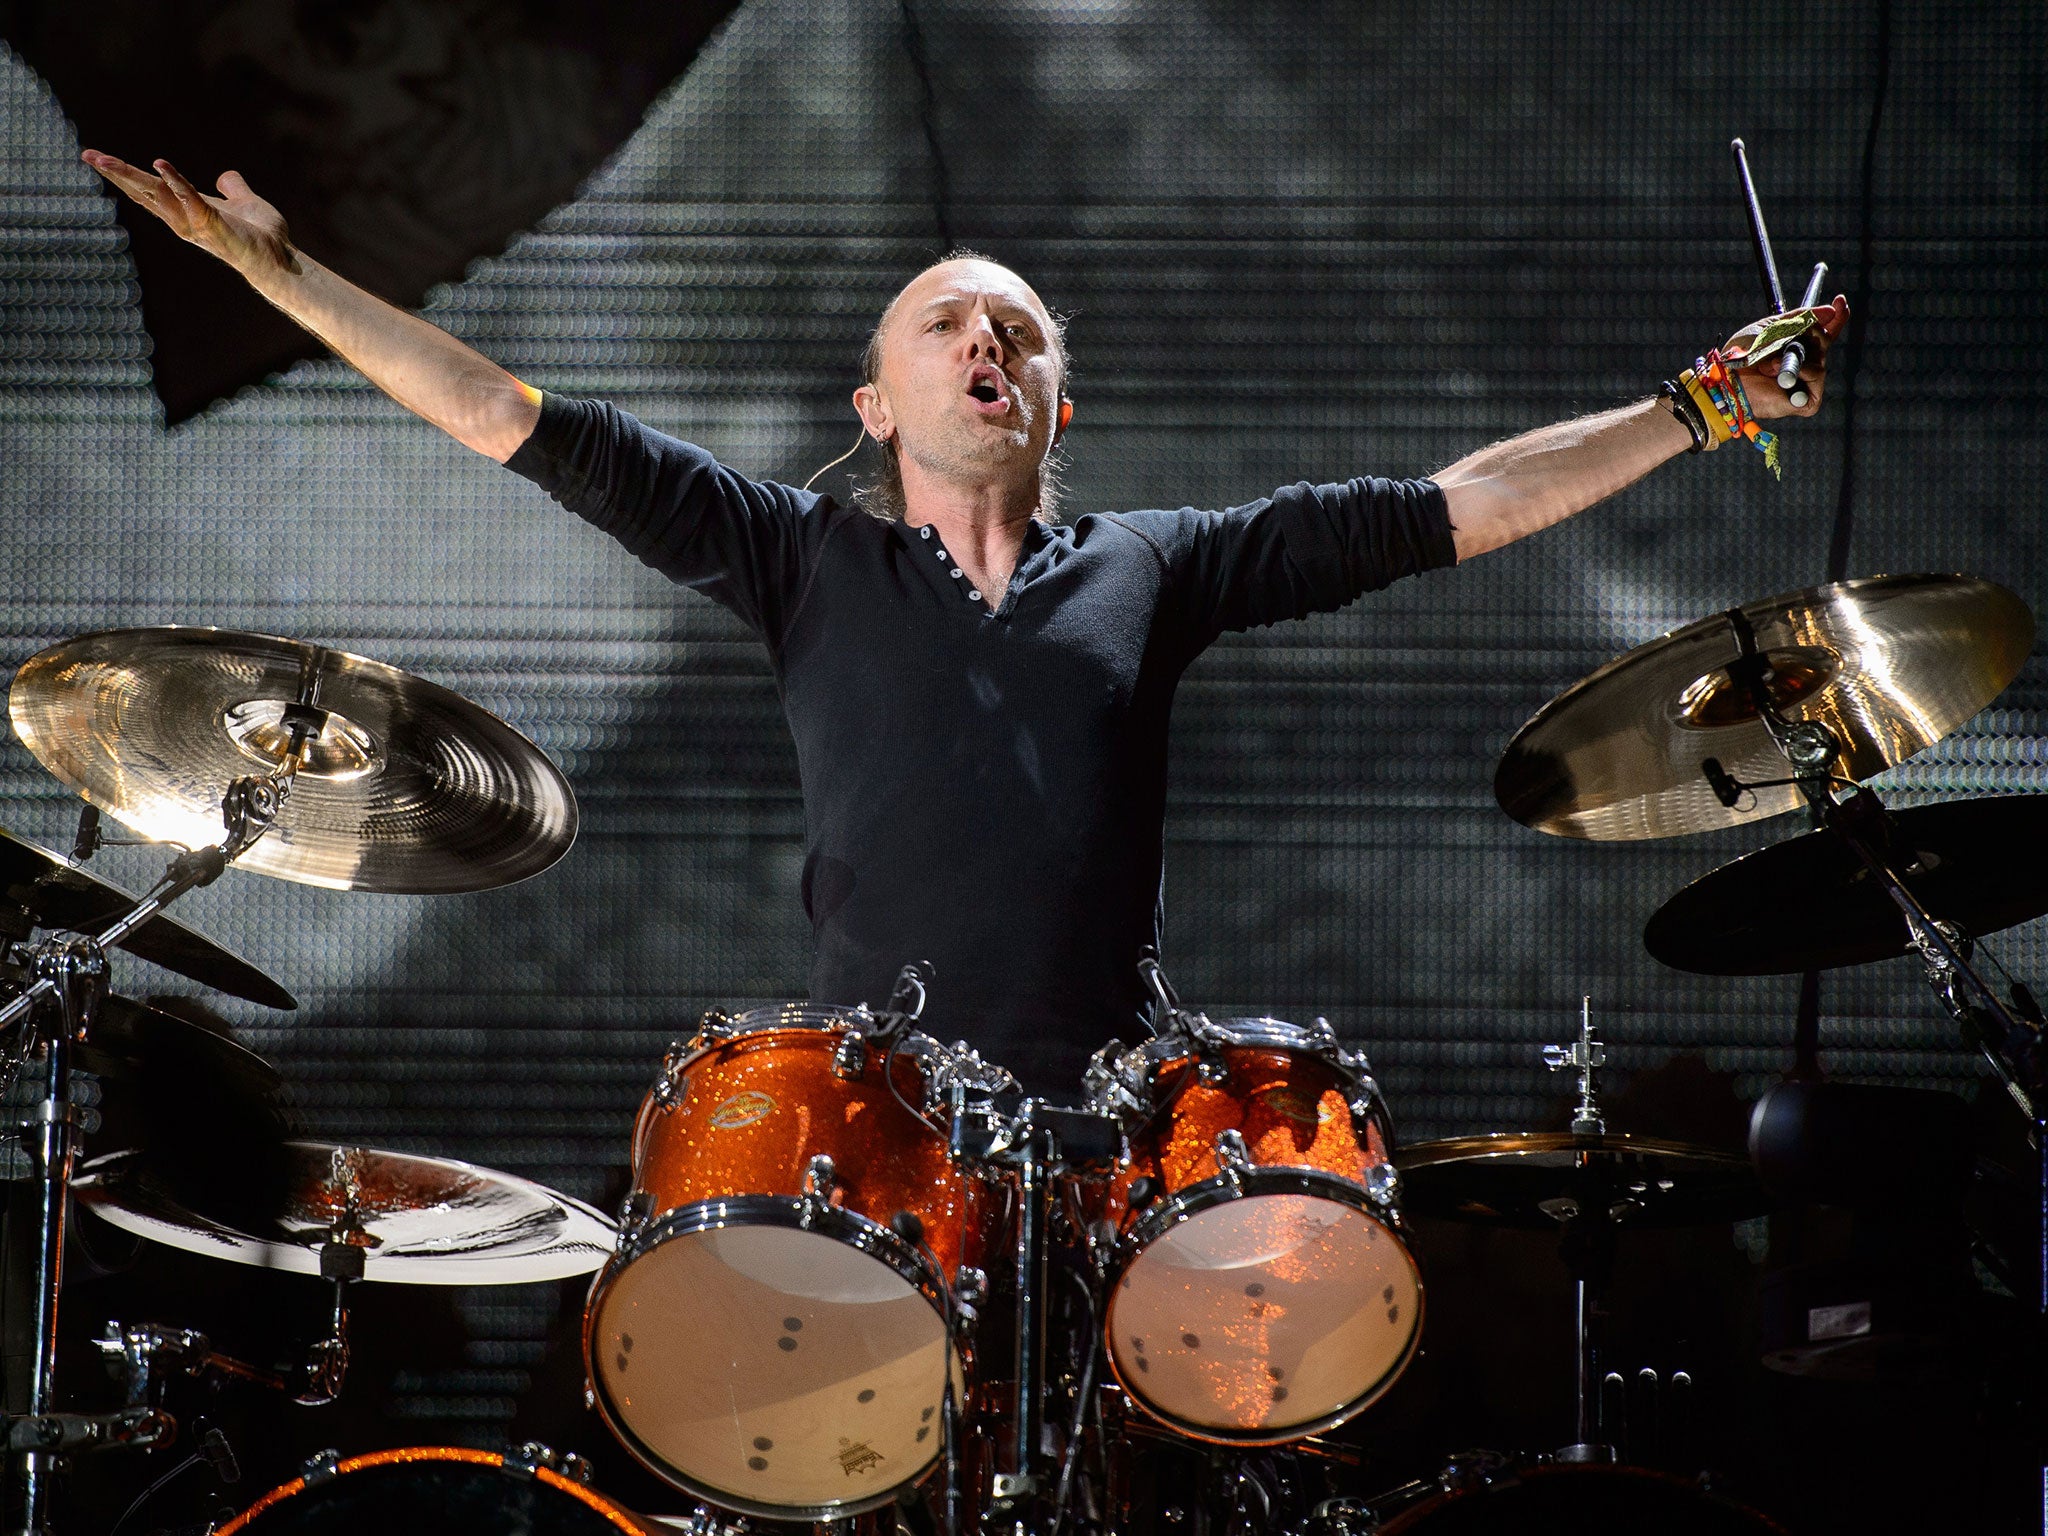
[
  {"x": 420, "y": 366},
  {"x": 238, "y": 226}
]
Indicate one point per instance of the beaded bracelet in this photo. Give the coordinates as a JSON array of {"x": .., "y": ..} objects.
[{"x": 1709, "y": 400}]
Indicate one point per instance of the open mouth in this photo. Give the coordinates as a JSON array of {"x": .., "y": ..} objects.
[{"x": 986, "y": 389}]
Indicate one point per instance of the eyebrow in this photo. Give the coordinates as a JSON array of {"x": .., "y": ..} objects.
[{"x": 1014, "y": 306}]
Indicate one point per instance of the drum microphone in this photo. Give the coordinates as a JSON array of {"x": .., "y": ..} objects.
[
  {"x": 213, "y": 1445},
  {"x": 87, "y": 843},
  {"x": 907, "y": 1225}
]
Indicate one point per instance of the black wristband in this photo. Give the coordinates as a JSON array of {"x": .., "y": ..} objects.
[{"x": 1688, "y": 412}]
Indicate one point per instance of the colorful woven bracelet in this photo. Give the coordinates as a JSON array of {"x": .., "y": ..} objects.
[{"x": 1724, "y": 389}]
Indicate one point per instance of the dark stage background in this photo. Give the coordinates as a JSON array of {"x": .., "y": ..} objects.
[{"x": 1296, "y": 240}]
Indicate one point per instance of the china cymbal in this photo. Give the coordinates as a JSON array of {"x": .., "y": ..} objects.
[
  {"x": 56, "y": 895},
  {"x": 407, "y": 787},
  {"x": 1809, "y": 904},
  {"x": 1890, "y": 663},
  {"x": 1541, "y": 1179},
  {"x": 418, "y": 1220}
]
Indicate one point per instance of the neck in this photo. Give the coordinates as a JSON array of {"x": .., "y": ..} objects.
[{"x": 983, "y": 521}]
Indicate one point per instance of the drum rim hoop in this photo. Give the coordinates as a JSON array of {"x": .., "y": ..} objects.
[
  {"x": 1268, "y": 1179},
  {"x": 789, "y": 1213},
  {"x": 408, "y": 1455},
  {"x": 793, "y": 1212}
]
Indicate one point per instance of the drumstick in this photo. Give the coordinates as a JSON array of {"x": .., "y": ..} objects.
[
  {"x": 1794, "y": 356},
  {"x": 1765, "y": 262}
]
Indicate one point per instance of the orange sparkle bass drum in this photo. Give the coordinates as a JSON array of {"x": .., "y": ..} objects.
[
  {"x": 774, "y": 1333},
  {"x": 1261, "y": 1289},
  {"x": 437, "y": 1488}
]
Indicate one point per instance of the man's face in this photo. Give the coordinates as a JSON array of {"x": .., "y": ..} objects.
[{"x": 968, "y": 386}]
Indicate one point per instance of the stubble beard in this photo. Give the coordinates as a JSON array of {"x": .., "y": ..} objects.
[{"x": 960, "y": 452}]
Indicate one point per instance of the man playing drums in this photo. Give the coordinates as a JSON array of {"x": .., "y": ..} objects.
[{"x": 979, "y": 695}]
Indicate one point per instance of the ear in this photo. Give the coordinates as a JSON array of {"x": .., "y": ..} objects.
[
  {"x": 874, "y": 412},
  {"x": 1066, "y": 415}
]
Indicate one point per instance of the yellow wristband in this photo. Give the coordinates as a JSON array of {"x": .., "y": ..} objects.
[{"x": 1718, "y": 428}]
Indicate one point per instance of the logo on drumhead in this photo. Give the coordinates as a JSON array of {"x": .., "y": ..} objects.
[
  {"x": 858, "y": 1456},
  {"x": 747, "y": 1108},
  {"x": 1293, "y": 1104}
]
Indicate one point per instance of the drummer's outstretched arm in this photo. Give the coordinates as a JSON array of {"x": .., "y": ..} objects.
[
  {"x": 419, "y": 365},
  {"x": 1512, "y": 489}
]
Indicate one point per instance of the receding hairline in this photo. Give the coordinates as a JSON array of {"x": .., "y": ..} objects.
[{"x": 1055, "y": 331}]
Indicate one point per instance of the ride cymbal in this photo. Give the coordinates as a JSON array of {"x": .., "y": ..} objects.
[
  {"x": 56, "y": 895},
  {"x": 1891, "y": 664},
  {"x": 1541, "y": 1179},
  {"x": 418, "y": 1220},
  {"x": 406, "y": 787},
  {"x": 1810, "y": 904}
]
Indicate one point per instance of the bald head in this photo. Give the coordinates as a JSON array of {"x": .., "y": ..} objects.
[{"x": 964, "y": 382}]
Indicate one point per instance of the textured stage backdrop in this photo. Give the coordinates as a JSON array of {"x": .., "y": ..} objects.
[{"x": 1297, "y": 241}]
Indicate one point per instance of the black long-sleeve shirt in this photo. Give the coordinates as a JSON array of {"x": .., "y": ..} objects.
[{"x": 985, "y": 790}]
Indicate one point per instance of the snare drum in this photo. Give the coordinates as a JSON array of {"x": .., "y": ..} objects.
[
  {"x": 434, "y": 1488},
  {"x": 772, "y": 1334},
  {"x": 1260, "y": 1289}
]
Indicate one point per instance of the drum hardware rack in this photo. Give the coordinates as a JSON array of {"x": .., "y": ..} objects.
[{"x": 71, "y": 972}]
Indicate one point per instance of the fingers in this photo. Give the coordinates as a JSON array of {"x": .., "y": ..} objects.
[
  {"x": 231, "y": 184},
  {"x": 137, "y": 184}
]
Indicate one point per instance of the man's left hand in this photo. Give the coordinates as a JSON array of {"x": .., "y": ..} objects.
[{"x": 1760, "y": 384}]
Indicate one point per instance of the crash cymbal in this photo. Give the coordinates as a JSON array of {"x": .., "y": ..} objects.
[
  {"x": 418, "y": 1220},
  {"x": 1809, "y": 903},
  {"x": 1891, "y": 664},
  {"x": 406, "y": 787},
  {"x": 56, "y": 895},
  {"x": 1540, "y": 1179}
]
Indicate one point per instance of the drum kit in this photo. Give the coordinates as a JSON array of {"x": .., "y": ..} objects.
[{"x": 860, "y": 1280}]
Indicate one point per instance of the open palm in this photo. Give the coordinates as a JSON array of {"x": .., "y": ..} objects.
[{"x": 237, "y": 226}]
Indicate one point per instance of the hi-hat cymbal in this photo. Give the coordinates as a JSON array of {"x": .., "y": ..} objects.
[
  {"x": 418, "y": 1220},
  {"x": 407, "y": 787},
  {"x": 1809, "y": 904},
  {"x": 1891, "y": 664},
  {"x": 1542, "y": 1179},
  {"x": 56, "y": 895}
]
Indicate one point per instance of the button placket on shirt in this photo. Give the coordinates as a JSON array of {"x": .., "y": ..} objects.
[{"x": 925, "y": 533}]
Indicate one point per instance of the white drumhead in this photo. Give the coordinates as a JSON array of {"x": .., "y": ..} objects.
[
  {"x": 1265, "y": 1314},
  {"x": 780, "y": 1368}
]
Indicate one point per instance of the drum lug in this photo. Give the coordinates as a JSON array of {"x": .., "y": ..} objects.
[
  {"x": 635, "y": 1211},
  {"x": 970, "y": 1290},
  {"x": 668, "y": 1087},
  {"x": 714, "y": 1028},
  {"x": 1233, "y": 1157},
  {"x": 850, "y": 1056},
  {"x": 1383, "y": 1185},
  {"x": 319, "y": 1467},
  {"x": 820, "y": 1179}
]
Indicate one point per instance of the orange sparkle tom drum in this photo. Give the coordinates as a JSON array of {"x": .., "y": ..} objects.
[
  {"x": 1261, "y": 1289},
  {"x": 772, "y": 1334}
]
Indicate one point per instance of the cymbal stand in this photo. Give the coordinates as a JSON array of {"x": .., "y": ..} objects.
[
  {"x": 56, "y": 1010},
  {"x": 1586, "y": 1242},
  {"x": 2014, "y": 1049}
]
